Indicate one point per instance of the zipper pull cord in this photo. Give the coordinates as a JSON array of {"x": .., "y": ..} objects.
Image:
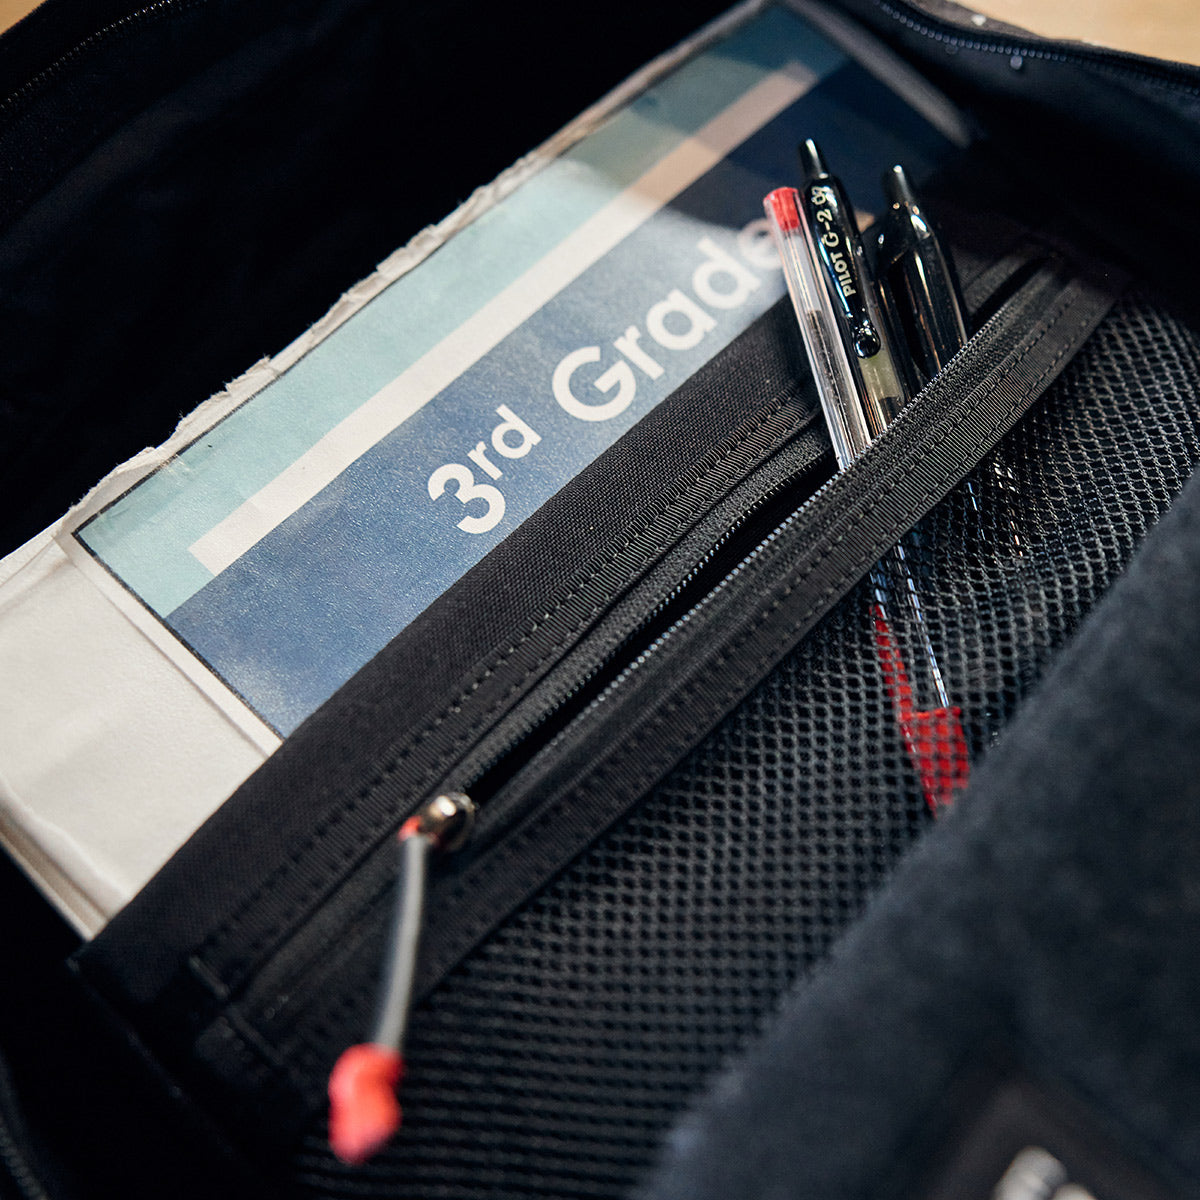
[{"x": 364, "y": 1112}]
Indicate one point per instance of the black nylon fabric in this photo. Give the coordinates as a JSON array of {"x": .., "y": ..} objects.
[
  {"x": 1066, "y": 114},
  {"x": 553, "y": 1060},
  {"x": 564, "y": 565}
]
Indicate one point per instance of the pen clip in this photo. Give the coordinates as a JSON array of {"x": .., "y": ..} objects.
[
  {"x": 829, "y": 220},
  {"x": 835, "y": 234}
]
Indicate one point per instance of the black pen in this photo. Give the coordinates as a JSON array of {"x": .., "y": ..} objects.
[
  {"x": 852, "y": 289},
  {"x": 920, "y": 287},
  {"x": 915, "y": 269}
]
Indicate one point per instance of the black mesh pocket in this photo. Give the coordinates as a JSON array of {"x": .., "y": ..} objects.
[{"x": 552, "y": 1061}]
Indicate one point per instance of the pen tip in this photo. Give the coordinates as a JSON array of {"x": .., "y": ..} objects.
[
  {"x": 897, "y": 188},
  {"x": 812, "y": 165}
]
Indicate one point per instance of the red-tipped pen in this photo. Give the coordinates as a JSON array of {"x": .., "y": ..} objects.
[{"x": 933, "y": 737}]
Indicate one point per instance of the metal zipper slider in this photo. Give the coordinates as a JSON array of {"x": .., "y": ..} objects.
[{"x": 363, "y": 1110}]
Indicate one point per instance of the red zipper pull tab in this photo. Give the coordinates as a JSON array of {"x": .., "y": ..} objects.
[{"x": 363, "y": 1110}]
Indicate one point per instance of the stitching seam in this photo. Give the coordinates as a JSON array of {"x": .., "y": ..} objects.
[
  {"x": 652, "y": 732},
  {"x": 325, "y": 827}
]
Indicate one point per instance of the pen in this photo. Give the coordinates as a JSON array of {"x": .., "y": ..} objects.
[
  {"x": 915, "y": 269},
  {"x": 837, "y": 388},
  {"x": 852, "y": 290},
  {"x": 929, "y": 725},
  {"x": 918, "y": 279}
]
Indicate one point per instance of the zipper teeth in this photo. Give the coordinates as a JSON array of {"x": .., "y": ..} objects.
[
  {"x": 662, "y": 606},
  {"x": 1120, "y": 61},
  {"x": 954, "y": 366},
  {"x": 724, "y": 540},
  {"x": 645, "y": 655},
  {"x": 152, "y": 11},
  {"x": 292, "y": 979},
  {"x": 725, "y": 581}
]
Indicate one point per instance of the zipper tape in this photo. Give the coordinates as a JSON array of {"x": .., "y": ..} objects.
[
  {"x": 603, "y": 766},
  {"x": 707, "y": 552},
  {"x": 417, "y": 754},
  {"x": 1013, "y": 43}
]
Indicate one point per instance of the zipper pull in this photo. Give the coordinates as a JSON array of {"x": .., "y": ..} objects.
[{"x": 363, "y": 1110}]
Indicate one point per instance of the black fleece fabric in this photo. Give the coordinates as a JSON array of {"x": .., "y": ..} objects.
[{"x": 1051, "y": 921}]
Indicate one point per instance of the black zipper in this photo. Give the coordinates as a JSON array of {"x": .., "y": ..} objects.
[
  {"x": 748, "y": 530},
  {"x": 558, "y": 704},
  {"x": 364, "y": 1113},
  {"x": 728, "y": 558},
  {"x": 749, "y": 537}
]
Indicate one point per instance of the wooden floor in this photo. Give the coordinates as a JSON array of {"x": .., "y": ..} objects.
[{"x": 1164, "y": 28}]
